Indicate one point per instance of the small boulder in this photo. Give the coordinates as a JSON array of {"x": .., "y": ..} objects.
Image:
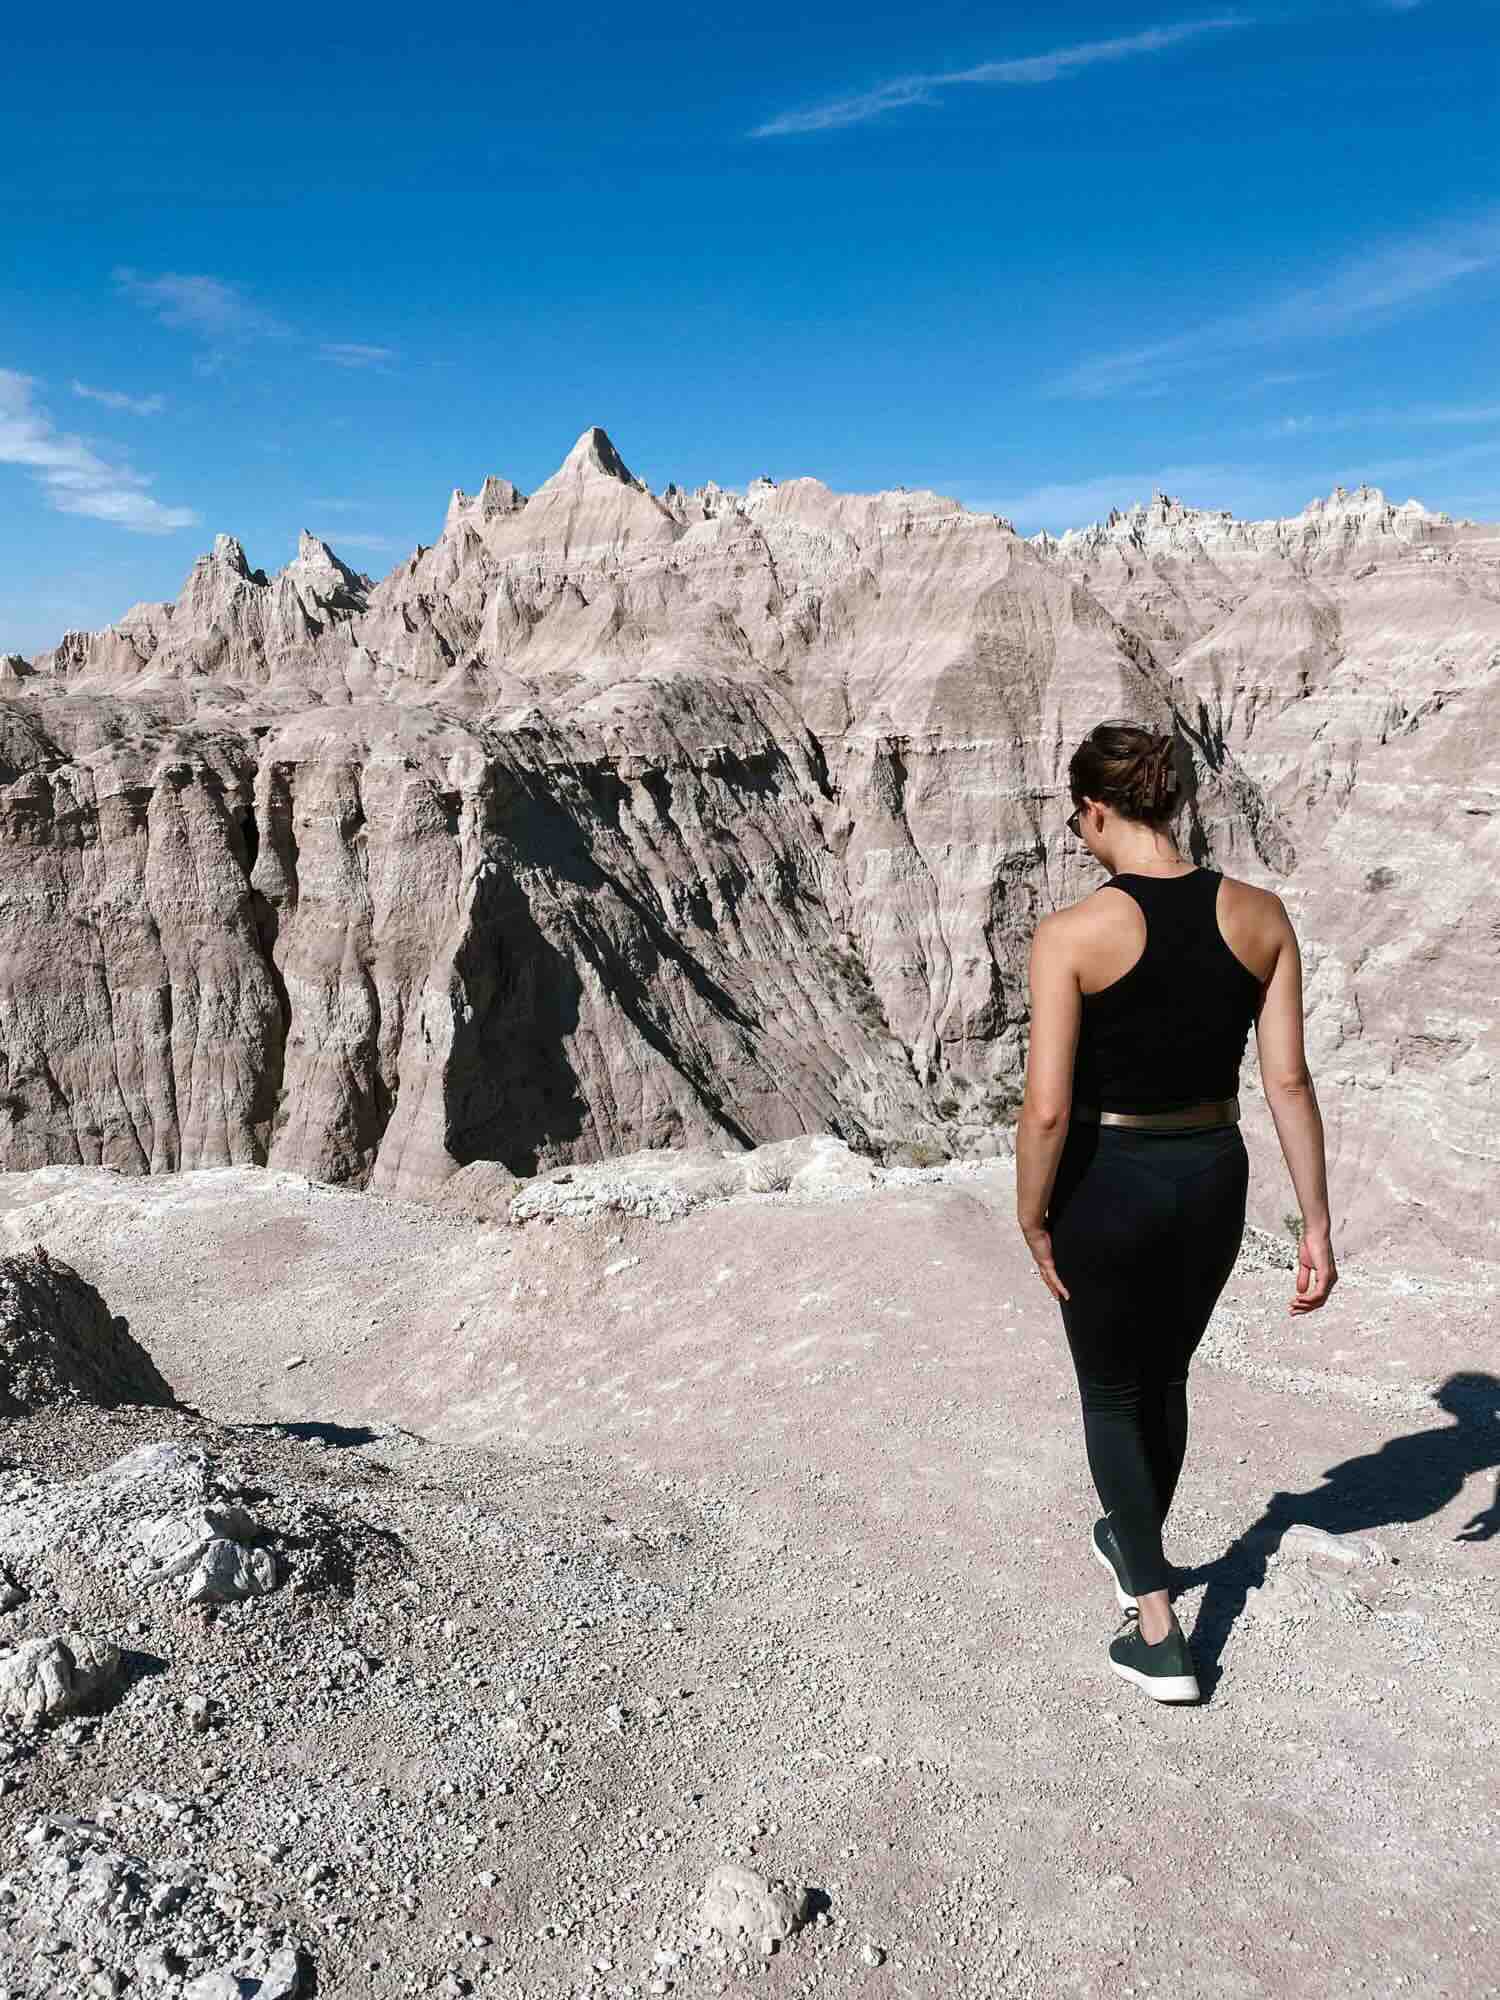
[
  {"x": 43, "y": 1679},
  {"x": 741, "y": 1905},
  {"x": 220, "y": 1985},
  {"x": 288, "y": 1976},
  {"x": 1321, "y": 1550},
  {"x": 175, "y": 1544},
  {"x": 228, "y": 1571}
]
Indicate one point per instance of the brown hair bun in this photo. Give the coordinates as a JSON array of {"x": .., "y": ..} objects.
[{"x": 1131, "y": 768}]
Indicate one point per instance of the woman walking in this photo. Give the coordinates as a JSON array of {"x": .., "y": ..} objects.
[{"x": 1131, "y": 1173}]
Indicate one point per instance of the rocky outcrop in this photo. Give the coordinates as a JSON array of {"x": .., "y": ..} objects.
[
  {"x": 162, "y": 1515},
  {"x": 59, "y": 1343},
  {"x": 615, "y": 820}
]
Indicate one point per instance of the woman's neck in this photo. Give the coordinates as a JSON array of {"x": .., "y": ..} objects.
[{"x": 1158, "y": 857}]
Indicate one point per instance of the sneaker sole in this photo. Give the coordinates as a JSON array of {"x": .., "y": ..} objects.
[
  {"x": 1160, "y": 1687},
  {"x": 1122, "y": 1597}
]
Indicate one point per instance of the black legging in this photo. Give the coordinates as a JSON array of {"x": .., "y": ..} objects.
[{"x": 1145, "y": 1229}]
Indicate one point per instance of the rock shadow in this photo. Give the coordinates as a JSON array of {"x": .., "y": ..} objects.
[
  {"x": 1408, "y": 1479},
  {"x": 546, "y": 911},
  {"x": 341, "y": 1436}
]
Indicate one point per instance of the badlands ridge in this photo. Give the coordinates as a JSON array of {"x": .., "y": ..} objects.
[{"x": 617, "y": 820}]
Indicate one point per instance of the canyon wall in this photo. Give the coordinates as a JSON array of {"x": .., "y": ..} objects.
[{"x": 618, "y": 819}]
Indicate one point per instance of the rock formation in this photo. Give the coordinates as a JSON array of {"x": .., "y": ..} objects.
[
  {"x": 615, "y": 820},
  {"x": 59, "y": 1342}
]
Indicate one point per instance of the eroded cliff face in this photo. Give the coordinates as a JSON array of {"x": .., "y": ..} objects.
[{"x": 615, "y": 819}]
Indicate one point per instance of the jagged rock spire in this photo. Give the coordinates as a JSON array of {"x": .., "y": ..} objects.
[{"x": 594, "y": 456}]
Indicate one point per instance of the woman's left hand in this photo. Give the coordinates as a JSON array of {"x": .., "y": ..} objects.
[{"x": 1039, "y": 1243}]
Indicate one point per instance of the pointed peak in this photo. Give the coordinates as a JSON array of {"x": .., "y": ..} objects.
[
  {"x": 229, "y": 549},
  {"x": 496, "y": 496},
  {"x": 594, "y": 456},
  {"x": 316, "y": 568}
]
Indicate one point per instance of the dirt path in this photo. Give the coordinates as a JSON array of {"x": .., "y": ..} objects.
[{"x": 912, "y": 1686}]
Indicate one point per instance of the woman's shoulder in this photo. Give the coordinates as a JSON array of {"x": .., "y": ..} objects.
[
  {"x": 1254, "y": 922},
  {"x": 1077, "y": 929},
  {"x": 1252, "y": 899}
]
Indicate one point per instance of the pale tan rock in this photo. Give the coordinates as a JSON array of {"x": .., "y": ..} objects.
[
  {"x": 43, "y": 1679},
  {"x": 743, "y": 1906}
]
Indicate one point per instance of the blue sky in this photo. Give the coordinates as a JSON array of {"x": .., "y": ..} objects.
[{"x": 287, "y": 269}]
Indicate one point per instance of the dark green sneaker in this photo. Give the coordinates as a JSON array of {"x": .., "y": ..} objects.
[
  {"x": 1164, "y": 1670},
  {"x": 1107, "y": 1552}
]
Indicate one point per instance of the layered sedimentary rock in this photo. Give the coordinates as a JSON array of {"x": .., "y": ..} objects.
[{"x": 618, "y": 819}]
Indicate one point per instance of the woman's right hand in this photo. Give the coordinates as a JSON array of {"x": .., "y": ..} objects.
[{"x": 1317, "y": 1273}]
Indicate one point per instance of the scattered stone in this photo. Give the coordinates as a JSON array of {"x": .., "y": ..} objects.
[{"x": 199, "y": 1710}]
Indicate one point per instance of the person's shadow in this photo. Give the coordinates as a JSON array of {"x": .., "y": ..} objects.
[{"x": 1408, "y": 1479}]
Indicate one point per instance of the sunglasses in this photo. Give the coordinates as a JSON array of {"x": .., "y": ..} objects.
[{"x": 1071, "y": 822}]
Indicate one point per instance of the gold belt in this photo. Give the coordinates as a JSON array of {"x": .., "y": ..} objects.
[{"x": 1220, "y": 1111}]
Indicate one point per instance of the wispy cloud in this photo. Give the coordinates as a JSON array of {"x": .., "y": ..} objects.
[
  {"x": 1424, "y": 464},
  {"x": 222, "y": 313},
  {"x": 904, "y": 91},
  {"x": 1410, "y": 418},
  {"x": 378, "y": 543},
  {"x": 1275, "y": 378},
  {"x": 116, "y": 399},
  {"x": 216, "y": 308},
  {"x": 355, "y": 354},
  {"x": 72, "y": 475},
  {"x": 1366, "y": 288}
]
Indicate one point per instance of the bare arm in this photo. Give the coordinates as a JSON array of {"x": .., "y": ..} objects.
[
  {"x": 1294, "y": 1111},
  {"x": 1043, "y": 1124}
]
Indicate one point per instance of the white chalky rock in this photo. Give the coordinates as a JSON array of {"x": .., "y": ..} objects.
[
  {"x": 285, "y": 1977},
  {"x": 1317, "y": 1546},
  {"x": 227, "y": 1571},
  {"x": 220, "y": 1985},
  {"x": 174, "y": 1544},
  {"x": 45, "y": 1678},
  {"x": 156, "y": 1514},
  {"x": 814, "y": 1164},
  {"x": 739, "y": 1904}
]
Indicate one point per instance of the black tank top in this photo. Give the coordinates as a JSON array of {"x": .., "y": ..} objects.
[{"x": 1171, "y": 1031}]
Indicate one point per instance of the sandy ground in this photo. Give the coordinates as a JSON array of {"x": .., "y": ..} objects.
[{"x": 903, "y": 1663}]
